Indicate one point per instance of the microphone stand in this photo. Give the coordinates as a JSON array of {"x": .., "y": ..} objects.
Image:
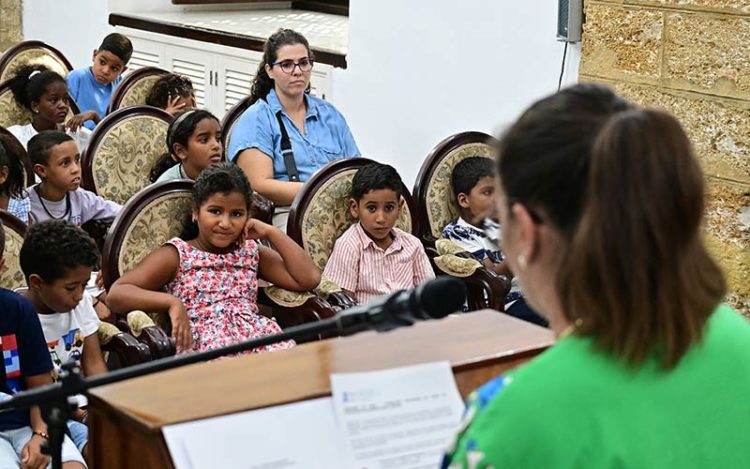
[{"x": 53, "y": 398}]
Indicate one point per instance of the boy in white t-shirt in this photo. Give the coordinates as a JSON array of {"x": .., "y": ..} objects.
[{"x": 57, "y": 259}]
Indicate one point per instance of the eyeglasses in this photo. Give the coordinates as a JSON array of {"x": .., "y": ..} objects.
[{"x": 287, "y": 66}]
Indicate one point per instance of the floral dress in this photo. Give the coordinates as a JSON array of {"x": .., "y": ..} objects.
[{"x": 219, "y": 292}]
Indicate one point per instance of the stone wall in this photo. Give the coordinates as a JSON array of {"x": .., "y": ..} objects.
[
  {"x": 10, "y": 23},
  {"x": 691, "y": 57}
]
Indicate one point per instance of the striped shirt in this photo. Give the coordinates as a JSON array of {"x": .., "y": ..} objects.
[{"x": 359, "y": 266}]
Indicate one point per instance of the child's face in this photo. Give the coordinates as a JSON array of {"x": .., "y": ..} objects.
[
  {"x": 480, "y": 201},
  {"x": 64, "y": 294},
  {"x": 63, "y": 169},
  {"x": 53, "y": 104},
  {"x": 107, "y": 66},
  {"x": 377, "y": 211},
  {"x": 221, "y": 219},
  {"x": 203, "y": 147}
]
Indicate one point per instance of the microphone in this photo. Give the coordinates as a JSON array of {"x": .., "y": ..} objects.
[{"x": 434, "y": 299}]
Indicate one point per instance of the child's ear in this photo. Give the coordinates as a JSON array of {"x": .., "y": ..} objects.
[
  {"x": 35, "y": 281},
  {"x": 179, "y": 151},
  {"x": 93, "y": 56},
  {"x": 354, "y": 208},
  {"x": 40, "y": 170},
  {"x": 463, "y": 200},
  {"x": 4, "y": 171}
]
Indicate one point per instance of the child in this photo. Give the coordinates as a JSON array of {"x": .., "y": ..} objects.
[
  {"x": 373, "y": 257},
  {"x": 173, "y": 93},
  {"x": 56, "y": 273},
  {"x": 194, "y": 143},
  {"x": 13, "y": 197},
  {"x": 27, "y": 365},
  {"x": 91, "y": 87},
  {"x": 207, "y": 280},
  {"x": 473, "y": 182},
  {"x": 56, "y": 161},
  {"x": 45, "y": 94}
]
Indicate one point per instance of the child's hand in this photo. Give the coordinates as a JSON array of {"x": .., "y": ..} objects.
[
  {"x": 174, "y": 105},
  {"x": 256, "y": 229},
  {"x": 31, "y": 454},
  {"x": 180, "y": 325},
  {"x": 77, "y": 121}
]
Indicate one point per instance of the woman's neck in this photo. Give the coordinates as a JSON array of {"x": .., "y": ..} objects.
[
  {"x": 47, "y": 192},
  {"x": 40, "y": 125},
  {"x": 292, "y": 104}
]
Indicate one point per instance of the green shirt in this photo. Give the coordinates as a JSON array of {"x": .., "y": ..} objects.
[{"x": 575, "y": 406}]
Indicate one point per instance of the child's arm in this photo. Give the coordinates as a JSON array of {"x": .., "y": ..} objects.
[
  {"x": 342, "y": 267},
  {"x": 94, "y": 207},
  {"x": 500, "y": 268},
  {"x": 77, "y": 121},
  {"x": 289, "y": 266},
  {"x": 92, "y": 360},
  {"x": 138, "y": 289},
  {"x": 31, "y": 454}
]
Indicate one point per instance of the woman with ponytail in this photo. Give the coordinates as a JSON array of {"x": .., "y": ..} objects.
[
  {"x": 601, "y": 204},
  {"x": 316, "y": 130}
]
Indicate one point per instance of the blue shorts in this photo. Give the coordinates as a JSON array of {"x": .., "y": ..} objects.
[{"x": 79, "y": 433}]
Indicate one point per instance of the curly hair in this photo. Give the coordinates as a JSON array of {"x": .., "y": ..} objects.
[
  {"x": 222, "y": 178},
  {"x": 376, "y": 176},
  {"x": 53, "y": 247},
  {"x": 15, "y": 184},
  {"x": 180, "y": 130},
  {"x": 27, "y": 89},
  {"x": 169, "y": 85},
  {"x": 262, "y": 83}
]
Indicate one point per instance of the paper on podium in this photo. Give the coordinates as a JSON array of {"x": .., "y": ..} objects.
[{"x": 395, "y": 418}]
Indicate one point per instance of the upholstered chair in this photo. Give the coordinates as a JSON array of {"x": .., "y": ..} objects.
[
  {"x": 437, "y": 207},
  {"x": 127, "y": 351},
  {"x": 32, "y": 52},
  {"x": 122, "y": 150},
  {"x": 135, "y": 88},
  {"x": 157, "y": 214},
  {"x": 231, "y": 118},
  {"x": 320, "y": 214}
]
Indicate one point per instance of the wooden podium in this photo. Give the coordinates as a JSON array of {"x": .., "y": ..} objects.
[{"x": 127, "y": 417}]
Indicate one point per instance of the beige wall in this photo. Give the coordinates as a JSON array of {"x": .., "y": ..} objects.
[
  {"x": 691, "y": 57},
  {"x": 10, "y": 23}
]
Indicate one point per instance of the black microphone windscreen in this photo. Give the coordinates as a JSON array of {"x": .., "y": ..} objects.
[{"x": 442, "y": 296}]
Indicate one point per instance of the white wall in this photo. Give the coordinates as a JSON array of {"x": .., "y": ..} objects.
[
  {"x": 75, "y": 27},
  {"x": 421, "y": 70}
]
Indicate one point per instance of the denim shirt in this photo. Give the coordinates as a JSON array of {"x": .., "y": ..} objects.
[{"x": 328, "y": 136}]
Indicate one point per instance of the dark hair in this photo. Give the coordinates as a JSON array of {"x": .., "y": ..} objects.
[
  {"x": 375, "y": 176},
  {"x": 119, "y": 45},
  {"x": 27, "y": 89},
  {"x": 40, "y": 145},
  {"x": 179, "y": 131},
  {"x": 15, "y": 184},
  {"x": 467, "y": 173},
  {"x": 623, "y": 189},
  {"x": 2, "y": 240},
  {"x": 222, "y": 178},
  {"x": 262, "y": 83},
  {"x": 169, "y": 85},
  {"x": 52, "y": 247}
]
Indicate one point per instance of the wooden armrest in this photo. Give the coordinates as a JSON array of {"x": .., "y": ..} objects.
[{"x": 126, "y": 349}]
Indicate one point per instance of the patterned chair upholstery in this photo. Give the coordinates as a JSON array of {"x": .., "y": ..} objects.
[
  {"x": 122, "y": 150},
  {"x": 157, "y": 214},
  {"x": 437, "y": 207},
  {"x": 134, "y": 88},
  {"x": 32, "y": 52},
  {"x": 11, "y": 113},
  {"x": 231, "y": 118},
  {"x": 12, "y": 276},
  {"x": 320, "y": 214}
]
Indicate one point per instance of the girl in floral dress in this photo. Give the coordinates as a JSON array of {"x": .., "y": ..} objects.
[{"x": 207, "y": 280}]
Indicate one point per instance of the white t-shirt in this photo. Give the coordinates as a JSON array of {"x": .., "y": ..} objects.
[
  {"x": 64, "y": 333},
  {"x": 24, "y": 133}
]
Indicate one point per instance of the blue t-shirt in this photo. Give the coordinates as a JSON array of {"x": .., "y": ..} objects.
[
  {"x": 88, "y": 94},
  {"x": 328, "y": 136},
  {"x": 24, "y": 352}
]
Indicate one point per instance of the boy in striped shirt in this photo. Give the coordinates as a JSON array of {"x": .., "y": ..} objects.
[{"x": 373, "y": 257}]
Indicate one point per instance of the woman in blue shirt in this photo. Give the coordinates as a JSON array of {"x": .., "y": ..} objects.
[{"x": 317, "y": 131}]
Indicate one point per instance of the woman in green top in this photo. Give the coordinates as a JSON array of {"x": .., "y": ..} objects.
[{"x": 601, "y": 204}]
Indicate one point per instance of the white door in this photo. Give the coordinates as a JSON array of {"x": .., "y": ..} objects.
[
  {"x": 235, "y": 78},
  {"x": 198, "y": 66}
]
